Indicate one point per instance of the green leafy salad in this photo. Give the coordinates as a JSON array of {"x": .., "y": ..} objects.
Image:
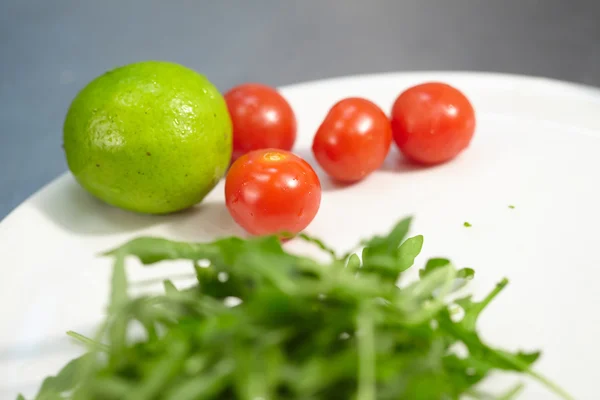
[{"x": 262, "y": 324}]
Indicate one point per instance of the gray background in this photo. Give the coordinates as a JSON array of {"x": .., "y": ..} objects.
[{"x": 49, "y": 49}]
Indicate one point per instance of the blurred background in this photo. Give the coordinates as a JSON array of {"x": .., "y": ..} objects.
[{"x": 49, "y": 49}]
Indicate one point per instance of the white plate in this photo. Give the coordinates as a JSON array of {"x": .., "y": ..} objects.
[{"x": 537, "y": 146}]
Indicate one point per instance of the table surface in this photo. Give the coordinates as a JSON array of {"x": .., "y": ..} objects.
[{"x": 49, "y": 49}]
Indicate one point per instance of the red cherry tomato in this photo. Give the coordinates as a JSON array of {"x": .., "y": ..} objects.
[
  {"x": 261, "y": 119},
  {"x": 353, "y": 140},
  {"x": 270, "y": 191},
  {"x": 432, "y": 123}
]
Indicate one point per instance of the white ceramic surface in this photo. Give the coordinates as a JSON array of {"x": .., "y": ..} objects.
[{"x": 537, "y": 146}]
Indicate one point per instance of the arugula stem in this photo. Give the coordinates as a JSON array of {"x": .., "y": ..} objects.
[
  {"x": 499, "y": 286},
  {"x": 91, "y": 343},
  {"x": 513, "y": 392},
  {"x": 366, "y": 354},
  {"x": 550, "y": 385},
  {"x": 540, "y": 378},
  {"x": 508, "y": 395}
]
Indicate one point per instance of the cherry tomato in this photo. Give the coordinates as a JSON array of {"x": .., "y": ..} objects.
[
  {"x": 270, "y": 191},
  {"x": 261, "y": 119},
  {"x": 432, "y": 123},
  {"x": 353, "y": 140}
]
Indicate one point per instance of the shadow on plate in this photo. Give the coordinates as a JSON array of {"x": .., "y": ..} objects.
[
  {"x": 394, "y": 162},
  {"x": 68, "y": 205},
  {"x": 206, "y": 221},
  {"x": 327, "y": 184}
]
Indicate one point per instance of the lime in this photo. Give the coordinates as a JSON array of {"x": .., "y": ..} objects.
[{"x": 151, "y": 137}]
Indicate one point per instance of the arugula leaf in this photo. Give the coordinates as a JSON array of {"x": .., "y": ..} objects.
[
  {"x": 432, "y": 264},
  {"x": 483, "y": 358},
  {"x": 408, "y": 251},
  {"x": 473, "y": 309},
  {"x": 465, "y": 273},
  {"x": 424, "y": 299},
  {"x": 205, "y": 386},
  {"x": 387, "y": 244},
  {"x": 388, "y": 256},
  {"x": 353, "y": 263},
  {"x": 298, "y": 328},
  {"x": 65, "y": 380},
  {"x": 170, "y": 289}
]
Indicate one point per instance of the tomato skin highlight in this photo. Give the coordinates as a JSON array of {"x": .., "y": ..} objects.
[
  {"x": 270, "y": 191},
  {"x": 353, "y": 140},
  {"x": 261, "y": 117},
  {"x": 432, "y": 123}
]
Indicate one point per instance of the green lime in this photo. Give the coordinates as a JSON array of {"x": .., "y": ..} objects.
[{"x": 151, "y": 137}]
